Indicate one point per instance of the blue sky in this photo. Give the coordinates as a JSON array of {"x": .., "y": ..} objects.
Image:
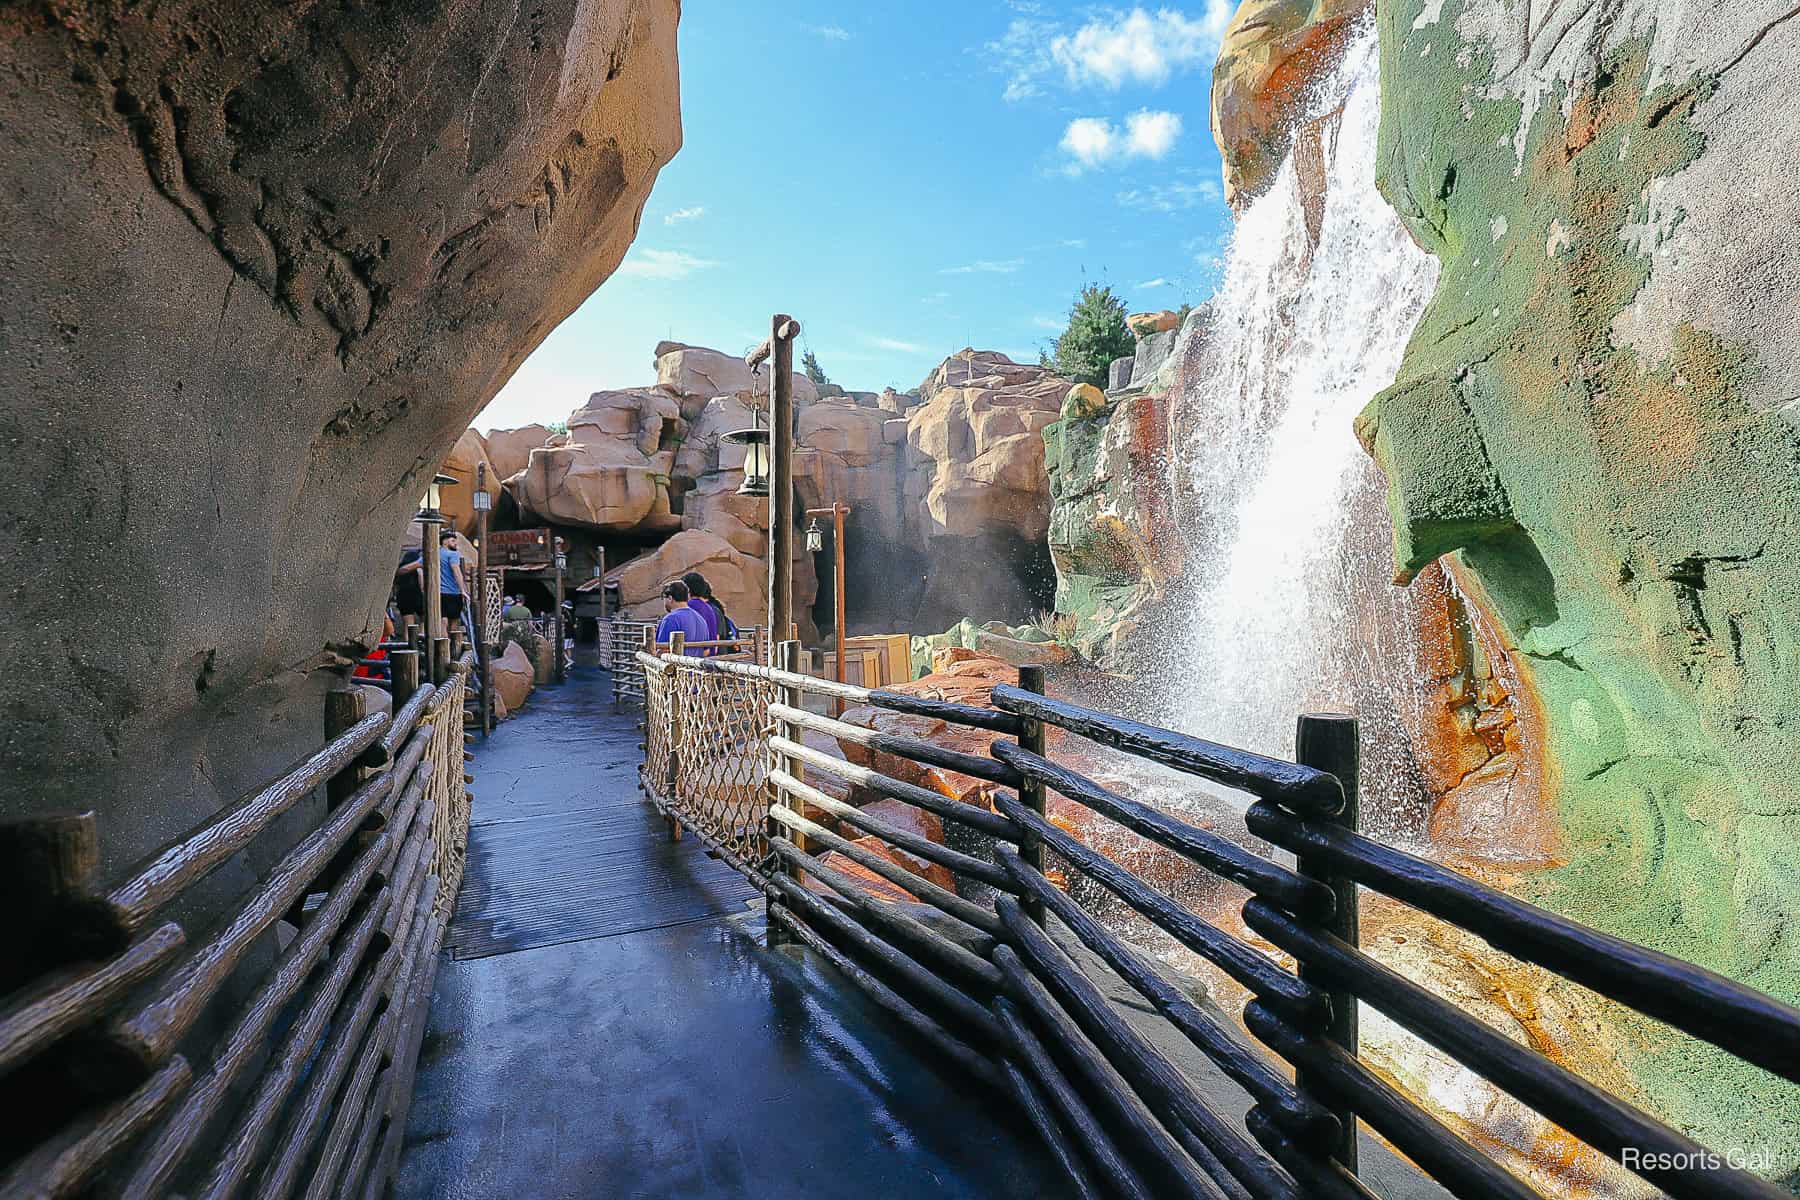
[{"x": 948, "y": 174}]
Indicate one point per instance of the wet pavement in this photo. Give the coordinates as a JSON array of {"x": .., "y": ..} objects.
[{"x": 610, "y": 1025}]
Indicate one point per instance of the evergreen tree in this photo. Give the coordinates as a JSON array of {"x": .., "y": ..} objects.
[
  {"x": 809, "y": 366},
  {"x": 1096, "y": 335}
]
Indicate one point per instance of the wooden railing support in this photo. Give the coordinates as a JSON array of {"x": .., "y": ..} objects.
[
  {"x": 787, "y": 658},
  {"x": 1031, "y": 791},
  {"x": 1329, "y": 742}
]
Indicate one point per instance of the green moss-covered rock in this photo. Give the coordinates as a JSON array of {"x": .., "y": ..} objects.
[
  {"x": 1107, "y": 497},
  {"x": 1594, "y": 411}
]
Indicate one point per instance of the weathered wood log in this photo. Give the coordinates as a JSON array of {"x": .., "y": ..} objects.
[
  {"x": 152, "y": 1032},
  {"x": 1447, "y": 1158},
  {"x": 917, "y": 936},
  {"x": 400, "y": 1095},
  {"x": 1061, "y": 1147},
  {"x": 895, "y": 789},
  {"x": 912, "y": 749},
  {"x": 1757, "y": 1028},
  {"x": 75, "y": 997},
  {"x": 1307, "y": 1004},
  {"x": 1319, "y": 1177},
  {"x": 1220, "y": 855},
  {"x": 1115, "y": 1176},
  {"x": 47, "y": 865},
  {"x": 238, "y": 1153},
  {"x": 411, "y": 709},
  {"x": 1301, "y": 788},
  {"x": 945, "y": 1043},
  {"x": 1304, "y": 1116},
  {"x": 1164, "y": 1089},
  {"x": 1160, "y": 1158},
  {"x": 247, "y": 1039},
  {"x": 1595, "y": 1116},
  {"x": 912, "y": 843},
  {"x": 1031, "y": 791},
  {"x": 62, "y": 1165},
  {"x": 923, "y": 983},
  {"x": 938, "y": 897},
  {"x": 371, "y": 1059},
  {"x": 171, "y": 870},
  {"x": 362, "y": 1152}
]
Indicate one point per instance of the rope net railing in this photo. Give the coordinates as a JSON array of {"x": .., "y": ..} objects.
[
  {"x": 706, "y": 754},
  {"x": 983, "y": 951}
]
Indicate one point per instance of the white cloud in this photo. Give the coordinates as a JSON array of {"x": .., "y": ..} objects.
[
  {"x": 888, "y": 343},
  {"x": 1139, "y": 46},
  {"x": 1151, "y": 134},
  {"x": 1075, "y": 243},
  {"x": 1158, "y": 282},
  {"x": 1175, "y": 196},
  {"x": 935, "y": 298},
  {"x": 1022, "y": 55},
  {"x": 1050, "y": 323},
  {"x": 1093, "y": 141},
  {"x": 831, "y": 33},
  {"x": 684, "y": 214},
  {"x": 663, "y": 264},
  {"x": 985, "y": 266}
]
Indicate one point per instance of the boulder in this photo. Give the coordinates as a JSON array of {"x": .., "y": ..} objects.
[
  {"x": 510, "y": 449},
  {"x": 613, "y": 472},
  {"x": 1142, "y": 325},
  {"x": 698, "y": 373},
  {"x": 1273, "y": 55},
  {"x": 264, "y": 265},
  {"x": 514, "y": 676},
  {"x": 457, "y": 500}
]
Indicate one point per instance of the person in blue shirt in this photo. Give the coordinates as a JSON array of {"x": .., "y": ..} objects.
[
  {"x": 679, "y": 618},
  {"x": 451, "y": 573}
]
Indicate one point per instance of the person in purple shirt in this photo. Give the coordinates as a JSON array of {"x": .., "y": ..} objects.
[
  {"x": 697, "y": 602},
  {"x": 679, "y": 618}
]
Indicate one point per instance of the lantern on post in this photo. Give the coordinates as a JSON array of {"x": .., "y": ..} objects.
[
  {"x": 430, "y": 503},
  {"x": 484, "y": 500},
  {"x": 815, "y": 537},
  {"x": 755, "y": 442}
]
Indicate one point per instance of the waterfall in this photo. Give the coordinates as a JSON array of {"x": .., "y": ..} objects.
[{"x": 1289, "y": 567}]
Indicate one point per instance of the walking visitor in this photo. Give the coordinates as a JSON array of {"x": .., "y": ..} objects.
[{"x": 679, "y": 618}]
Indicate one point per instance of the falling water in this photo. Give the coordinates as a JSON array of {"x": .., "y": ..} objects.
[{"x": 1288, "y": 554}]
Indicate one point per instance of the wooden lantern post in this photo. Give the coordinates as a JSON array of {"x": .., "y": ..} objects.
[
  {"x": 559, "y": 560},
  {"x": 779, "y": 351},
  {"x": 837, "y": 513},
  {"x": 483, "y": 635}
]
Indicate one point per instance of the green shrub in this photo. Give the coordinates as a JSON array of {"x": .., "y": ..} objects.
[{"x": 1097, "y": 334}]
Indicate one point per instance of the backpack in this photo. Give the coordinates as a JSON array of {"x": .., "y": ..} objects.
[{"x": 727, "y": 630}]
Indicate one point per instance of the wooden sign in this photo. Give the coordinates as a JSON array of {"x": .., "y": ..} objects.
[{"x": 520, "y": 547}]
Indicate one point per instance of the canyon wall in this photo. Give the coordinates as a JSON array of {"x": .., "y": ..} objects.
[
  {"x": 1595, "y": 418},
  {"x": 263, "y": 264}
]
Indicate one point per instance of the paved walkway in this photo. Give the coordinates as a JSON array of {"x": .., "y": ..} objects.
[{"x": 610, "y": 1025}]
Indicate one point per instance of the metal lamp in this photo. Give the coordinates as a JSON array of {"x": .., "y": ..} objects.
[
  {"x": 429, "y": 505},
  {"x": 815, "y": 537},
  {"x": 484, "y": 500},
  {"x": 562, "y": 561},
  {"x": 756, "y": 459}
]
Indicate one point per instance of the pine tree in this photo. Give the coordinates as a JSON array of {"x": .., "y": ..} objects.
[
  {"x": 809, "y": 365},
  {"x": 1096, "y": 335}
]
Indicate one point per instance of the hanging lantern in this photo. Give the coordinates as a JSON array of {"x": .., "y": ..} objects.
[
  {"x": 484, "y": 501},
  {"x": 815, "y": 537},
  {"x": 756, "y": 459}
]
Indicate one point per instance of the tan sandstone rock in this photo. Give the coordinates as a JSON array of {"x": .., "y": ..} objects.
[
  {"x": 514, "y": 676},
  {"x": 510, "y": 449},
  {"x": 613, "y": 472}
]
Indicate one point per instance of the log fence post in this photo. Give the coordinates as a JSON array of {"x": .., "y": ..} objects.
[
  {"x": 1329, "y": 742},
  {"x": 1031, "y": 791},
  {"x": 787, "y": 658}
]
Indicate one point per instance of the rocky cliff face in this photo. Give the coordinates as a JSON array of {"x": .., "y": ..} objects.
[
  {"x": 263, "y": 265},
  {"x": 1595, "y": 417},
  {"x": 949, "y": 497}
]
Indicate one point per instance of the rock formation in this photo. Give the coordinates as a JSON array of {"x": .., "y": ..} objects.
[
  {"x": 1264, "y": 84},
  {"x": 264, "y": 263},
  {"x": 1594, "y": 417}
]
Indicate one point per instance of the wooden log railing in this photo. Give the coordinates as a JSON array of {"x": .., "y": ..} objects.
[
  {"x": 87, "y": 1047},
  {"x": 988, "y": 969}
]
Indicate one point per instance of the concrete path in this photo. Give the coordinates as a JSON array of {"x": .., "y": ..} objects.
[{"x": 609, "y": 1024}]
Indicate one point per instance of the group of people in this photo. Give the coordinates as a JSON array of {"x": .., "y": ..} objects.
[
  {"x": 455, "y": 582},
  {"x": 691, "y": 609}
]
